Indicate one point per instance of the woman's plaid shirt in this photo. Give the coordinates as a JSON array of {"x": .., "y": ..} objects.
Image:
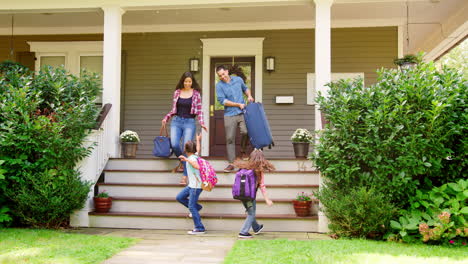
[{"x": 195, "y": 110}]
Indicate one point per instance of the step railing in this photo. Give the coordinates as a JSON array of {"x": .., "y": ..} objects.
[{"x": 93, "y": 165}]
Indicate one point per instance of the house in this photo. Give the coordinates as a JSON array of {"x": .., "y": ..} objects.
[{"x": 143, "y": 46}]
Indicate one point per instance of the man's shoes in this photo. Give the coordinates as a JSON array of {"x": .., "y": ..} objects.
[
  {"x": 195, "y": 232},
  {"x": 259, "y": 230},
  {"x": 247, "y": 235},
  {"x": 229, "y": 168}
]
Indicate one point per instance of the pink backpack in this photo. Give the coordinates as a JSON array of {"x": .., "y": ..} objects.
[{"x": 207, "y": 174}]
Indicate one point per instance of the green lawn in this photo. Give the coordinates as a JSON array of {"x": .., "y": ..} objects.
[
  {"x": 342, "y": 251},
  {"x": 34, "y": 246}
]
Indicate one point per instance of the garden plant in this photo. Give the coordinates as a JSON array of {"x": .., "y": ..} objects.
[
  {"x": 407, "y": 132},
  {"x": 44, "y": 119}
]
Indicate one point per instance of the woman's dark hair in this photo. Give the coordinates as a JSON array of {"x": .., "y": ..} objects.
[
  {"x": 190, "y": 147},
  {"x": 185, "y": 75}
]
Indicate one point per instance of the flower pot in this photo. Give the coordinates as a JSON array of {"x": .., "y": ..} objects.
[
  {"x": 302, "y": 208},
  {"x": 129, "y": 149},
  {"x": 301, "y": 149},
  {"x": 102, "y": 204}
]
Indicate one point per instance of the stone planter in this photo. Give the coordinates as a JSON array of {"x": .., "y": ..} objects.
[
  {"x": 301, "y": 149},
  {"x": 102, "y": 204},
  {"x": 129, "y": 149},
  {"x": 302, "y": 208}
]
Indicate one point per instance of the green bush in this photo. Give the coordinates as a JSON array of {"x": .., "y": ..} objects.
[
  {"x": 43, "y": 122},
  {"x": 435, "y": 216},
  {"x": 356, "y": 212},
  {"x": 404, "y": 133},
  {"x": 5, "y": 217}
]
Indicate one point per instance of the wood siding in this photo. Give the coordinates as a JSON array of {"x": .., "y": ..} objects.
[{"x": 155, "y": 61}]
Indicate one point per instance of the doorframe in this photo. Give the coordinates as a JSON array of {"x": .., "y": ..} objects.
[{"x": 226, "y": 47}]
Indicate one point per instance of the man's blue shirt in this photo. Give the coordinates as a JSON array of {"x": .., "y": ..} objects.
[{"x": 232, "y": 91}]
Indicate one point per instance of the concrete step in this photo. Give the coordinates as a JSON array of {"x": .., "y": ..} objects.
[
  {"x": 226, "y": 222},
  {"x": 218, "y": 164},
  {"x": 283, "y": 191},
  {"x": 232, "y": 206},
  {"x": 166, "y": 176}
]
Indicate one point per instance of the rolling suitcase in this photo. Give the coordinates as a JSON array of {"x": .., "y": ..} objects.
[{"x": 257, "y": 126}]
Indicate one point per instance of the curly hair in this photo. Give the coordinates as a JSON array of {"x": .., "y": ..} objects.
[{"x": 257, "y": 162}]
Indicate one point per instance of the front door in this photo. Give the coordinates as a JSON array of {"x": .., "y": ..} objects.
[{"x": 217, "y": 134}]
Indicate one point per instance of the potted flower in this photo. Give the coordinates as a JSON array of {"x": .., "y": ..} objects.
[
  {"x": 301, "y": 139},
  {"x": 102, "y": 202},
  {"x": 302, "y": 204},
  {"x": 407, "y": 61},
  {"x": 129, "y": 141}
]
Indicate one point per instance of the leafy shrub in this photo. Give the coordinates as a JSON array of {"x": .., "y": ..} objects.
[
  {"x": 5, "y": 217},
  {"x": 406, "y": 132},
  {"x": 435, "y": 216},
  {"x": 356, "y": 212},
  {"x": 43, "y": 122}
]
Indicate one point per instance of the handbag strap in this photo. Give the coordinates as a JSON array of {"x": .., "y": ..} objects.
[{"x": 163, "y": 128}]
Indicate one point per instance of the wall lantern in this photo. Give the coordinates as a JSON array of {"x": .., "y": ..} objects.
[
  {"x": 193, "y": 64},
  {"x": 270, "y": 64}
]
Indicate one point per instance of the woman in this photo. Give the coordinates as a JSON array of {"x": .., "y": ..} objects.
[
  {"x": 259, "y": 164},
  {"x": 186, "y": 105}
]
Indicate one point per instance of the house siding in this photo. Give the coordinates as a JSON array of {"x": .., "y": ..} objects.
[{"x": 155, "y": 61}]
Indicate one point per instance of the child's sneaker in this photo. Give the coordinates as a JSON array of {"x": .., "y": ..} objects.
[
  {"x": 195, "y": 232},
  {"x": 259, "y": 230},
  {"x": 247, "y": 235}
]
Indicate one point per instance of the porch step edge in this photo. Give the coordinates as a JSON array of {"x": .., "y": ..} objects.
[
  {"x": 217, "y": 186},
  {"x": 208, "y": 200},
  {"x": 207, "y": 215}
]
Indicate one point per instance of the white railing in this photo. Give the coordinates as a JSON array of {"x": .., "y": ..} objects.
[{"x": 92, "y": 166}]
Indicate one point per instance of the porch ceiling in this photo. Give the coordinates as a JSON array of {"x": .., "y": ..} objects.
[{"x": 425, "y": 17}]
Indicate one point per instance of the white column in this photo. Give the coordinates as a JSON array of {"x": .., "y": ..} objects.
[
  {"x": 322, "y": 70},
  {"x": 111, "y": 73}
]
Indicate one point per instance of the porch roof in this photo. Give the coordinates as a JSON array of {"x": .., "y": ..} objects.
[{"x": 424, "y": 25}]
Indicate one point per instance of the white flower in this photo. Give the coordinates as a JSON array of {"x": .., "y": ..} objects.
[
  {"x": 129, "y": 136},
  {"x": 302, "y": 135}
]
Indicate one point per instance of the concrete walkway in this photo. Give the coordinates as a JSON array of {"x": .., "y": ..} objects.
[{"x": 176, "y": 246}]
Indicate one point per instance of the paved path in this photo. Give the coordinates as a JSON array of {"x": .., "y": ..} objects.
[{"x": 176, "y": 246}]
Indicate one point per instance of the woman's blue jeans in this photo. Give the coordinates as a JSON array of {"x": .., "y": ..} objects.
[
  {"x": 250, "y": 220},
  {"x": 181, "y": 128},
  {"x": 189, "y": 198}
]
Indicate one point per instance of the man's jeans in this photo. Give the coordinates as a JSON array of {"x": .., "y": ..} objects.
[
  {"x": 181, "y": 128},
  {"x": 250, "y": 220},
  {"x": 230, "y": 126},
  {"x": 189, "y": 198}
]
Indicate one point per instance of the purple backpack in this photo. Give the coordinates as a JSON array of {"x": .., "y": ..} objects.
[{"x": 245, "y": 185}]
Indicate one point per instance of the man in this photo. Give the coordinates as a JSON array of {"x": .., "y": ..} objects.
[{"x": 229, "y": 92}]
